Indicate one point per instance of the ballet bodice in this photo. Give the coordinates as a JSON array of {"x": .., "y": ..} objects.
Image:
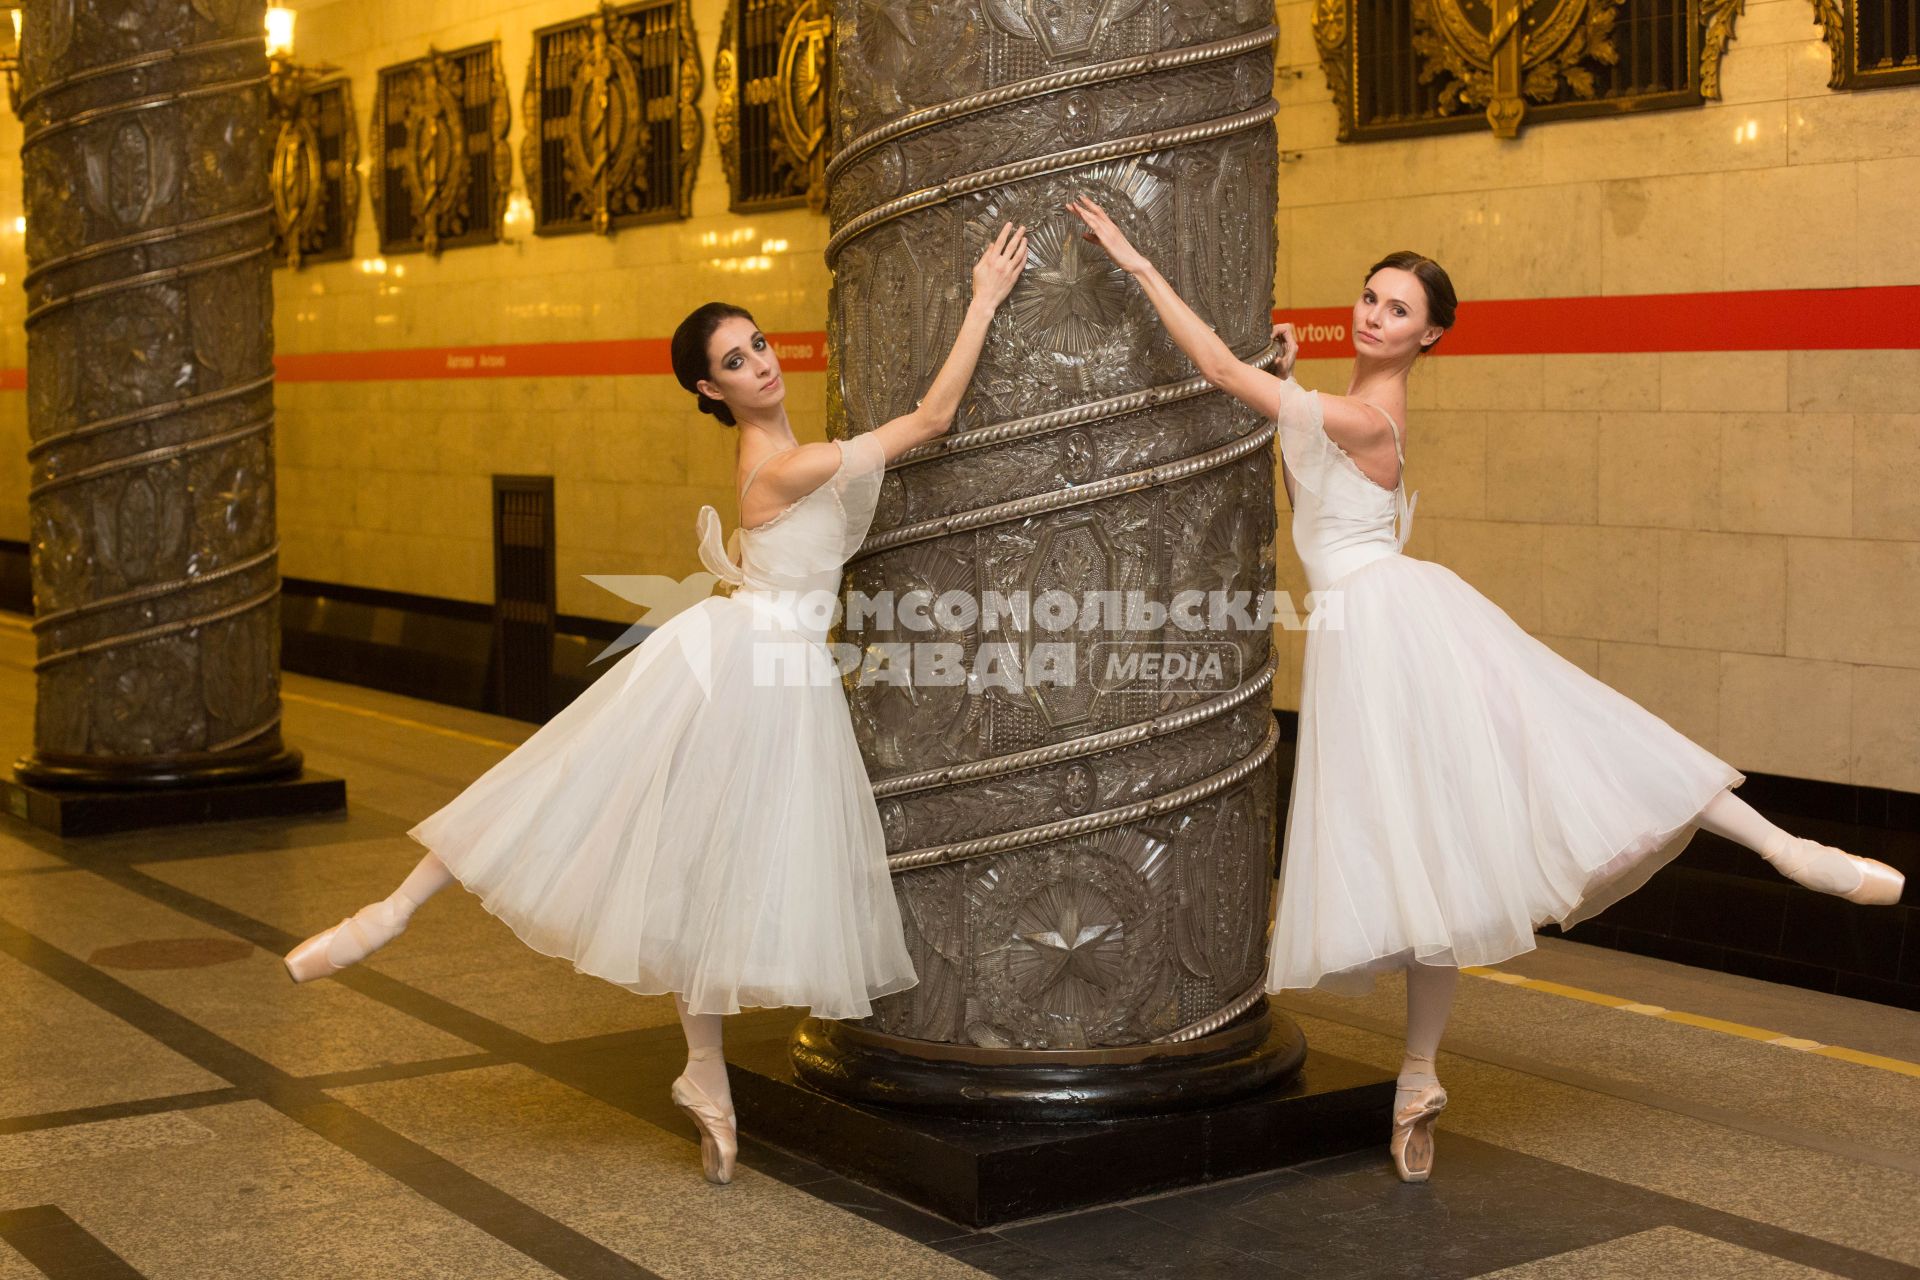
[
  {"x": 790, "y": 566},
  {"x": 1341, "y": 518}
]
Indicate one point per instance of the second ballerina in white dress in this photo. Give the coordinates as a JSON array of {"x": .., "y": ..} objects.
[{"x": 1456, "y": 783}]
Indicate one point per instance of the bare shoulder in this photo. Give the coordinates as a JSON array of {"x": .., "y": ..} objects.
[
  {"x": 791, "y": 474},
  {"x": 1356, "y": 424}
]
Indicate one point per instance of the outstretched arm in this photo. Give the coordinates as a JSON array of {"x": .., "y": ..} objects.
[
  {"x": 1213, "y": 358},
  {"x": 1349, "y": 423},
  {"x": 800, "y": 471},
  {"x": 994, "y": 276}
]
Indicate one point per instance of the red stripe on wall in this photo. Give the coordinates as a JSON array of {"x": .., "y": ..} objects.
[
  {"x": 798, "y": 352},
  {"x": 1881, "y": 318}
]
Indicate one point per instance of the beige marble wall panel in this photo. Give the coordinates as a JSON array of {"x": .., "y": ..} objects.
[
  {"x": 1663, "y": 234},
  {"x": 1886, "y": 732},
  {"x": 1768, "y": 251},
  {"x": 1723, "y": 591},
  {"x": 1681, "y": 686},
  {"x": 1447, "y": 462},
  {"x": 1659, "y": 469},
  {"x": 1630, "y": 382},
  {"x": 1543, "y": 467},
  {"x": 1786, "y": 473},
  {"x": 1787, "y": 715},
  {"x": 1601, "y": 582},
  {"x": 1501, "y": 560},
  {"x": 1886, "y": 476},
  {"x": 1851, "y": 600},
  {"x": 1723, "y": 381}
]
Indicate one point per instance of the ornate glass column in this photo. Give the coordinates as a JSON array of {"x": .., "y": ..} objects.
[
  {"x": 1083, "y": 864},
  {"x": 150, "y": 398}
]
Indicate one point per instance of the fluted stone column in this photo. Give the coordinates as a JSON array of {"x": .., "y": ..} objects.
[
  {"x": 150, "y": 396},
  {"x": 1084, "y": 869}
]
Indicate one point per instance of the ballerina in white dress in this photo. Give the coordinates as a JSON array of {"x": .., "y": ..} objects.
[
  {"x": 699, "y": 820},
  {"x": 1456, "y": 782}
]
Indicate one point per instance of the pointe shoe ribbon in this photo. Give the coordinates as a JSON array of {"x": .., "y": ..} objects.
[
  {"x": 1824, "y": 868},
  {"x": 719, "y": 1140},
  {"x": 1412, "y": 1141},
  {"x": 361, "y": 934}
]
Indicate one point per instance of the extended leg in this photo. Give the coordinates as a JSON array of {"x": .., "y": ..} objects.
[
  {"x": 1806, "y": 862},
  {"x": 371, "y": 927}
]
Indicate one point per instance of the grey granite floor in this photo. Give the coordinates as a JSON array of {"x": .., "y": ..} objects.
[{"x": 170, "y": 1106}]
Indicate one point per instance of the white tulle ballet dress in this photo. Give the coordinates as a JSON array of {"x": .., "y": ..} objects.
[
  {"x": 1456, "y": 781},
  {"x": 690, "y": 823}
]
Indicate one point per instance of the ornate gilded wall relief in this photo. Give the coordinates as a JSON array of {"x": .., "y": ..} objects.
[
  {"x": 771, "y": 77},
  {"x": 315, "y": 176},
  {"x": 612, "y": 117},
  {"x": 1873, "y": 43},
  {"x": 438, "y": 141},
  {"x": 1401, "y": 67}
]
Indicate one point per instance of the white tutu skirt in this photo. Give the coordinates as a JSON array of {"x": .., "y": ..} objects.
[
  {"x": 1458, "y": 783},
  {"x": 722, "y": 844}
]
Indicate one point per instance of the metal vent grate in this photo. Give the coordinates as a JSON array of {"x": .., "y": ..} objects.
[{"x": 523, "y": 594}]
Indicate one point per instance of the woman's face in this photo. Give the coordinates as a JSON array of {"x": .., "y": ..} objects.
[
  {"x": 742, "y": 369},
  {"x": 1390, "y": 317}
]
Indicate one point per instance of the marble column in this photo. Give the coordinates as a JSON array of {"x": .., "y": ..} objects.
[
  {"x": 1084, "y": 867},
  {"x": 150, "y": 396}
]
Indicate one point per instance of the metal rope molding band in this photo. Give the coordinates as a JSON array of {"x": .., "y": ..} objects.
[
  {"x": 1059, "y": 162},
  {"x": 164, "y": 629},
  {"x": 148, "y": 414},
  {"x": 1040, "y": 86},
  {"x": 1038, "y": 504},
  {"x": 159, "y": 235},
  {"x": 152, "y": 591},
  {"x": 140, "y": 62},
  {"x": 1216, "y": 1020},
  {"x": 938, "y": 855},
  {"x": 1078, "y": 415},
  {"x": 1087, "y": 745}
]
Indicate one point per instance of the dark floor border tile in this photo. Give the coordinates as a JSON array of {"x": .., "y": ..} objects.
[
  {"x": 547, "y": 1241},
  {"x": 44, "y": 1235},
  {"x": 403, "y": 1070},
  {"x": 122, "y": 1110},
  {"x": 626, "y": 1070}
]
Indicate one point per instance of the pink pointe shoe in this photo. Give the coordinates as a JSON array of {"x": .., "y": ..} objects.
[
  {"x": 719, "y": 1141},
  {"x": 1412, "y": 1141},
  {"x": 349, "y": 942},
  {"x": 1830, "y": 870}
]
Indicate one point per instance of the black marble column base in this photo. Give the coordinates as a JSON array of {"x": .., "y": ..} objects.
[
  {"x": 980, "y": 1173},
  {"x": 95, "y": 811}
]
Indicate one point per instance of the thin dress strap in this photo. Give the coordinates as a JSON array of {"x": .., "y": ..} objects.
[
  {"x": 1403, "y": 512},
  {"x": 756, "y": 469},
  {"x": 1397, "y": 452}
]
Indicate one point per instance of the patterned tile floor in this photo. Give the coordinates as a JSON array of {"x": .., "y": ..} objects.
[{"x": 171, "y": 1107}]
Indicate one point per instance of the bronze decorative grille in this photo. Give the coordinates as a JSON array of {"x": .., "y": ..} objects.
[
  {"x": 613, "y": 135},
  {"x": 1874, "y": 42},
  {"x": 315, "y": 184},
  {"x": 770, "y": 76},
  {"x": 440, "y": 156},
  {"x": 1402, "y": 67},
  {"x": 523, "y": 595}
]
